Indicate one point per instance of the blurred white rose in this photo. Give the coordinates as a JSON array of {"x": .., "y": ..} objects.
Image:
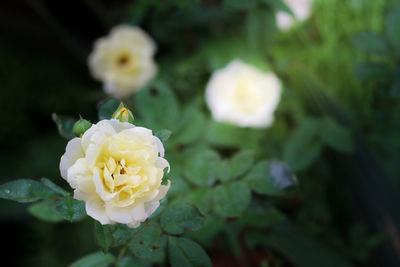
[
  {"x": 116, "y": 168},
  {"x": 243, "y": 95},
  {"x": 123, "y": 60},
  {"x": 301, "y": 10}
]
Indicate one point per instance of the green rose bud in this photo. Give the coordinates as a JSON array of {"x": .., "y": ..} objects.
[
  {"x": 123, "y": 114},
  {"x": 81, "y": 126}
]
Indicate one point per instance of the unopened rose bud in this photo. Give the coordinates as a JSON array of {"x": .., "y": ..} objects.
[
  {"x": 123, "y": 114},
  {"x": 81, "y": 126}
]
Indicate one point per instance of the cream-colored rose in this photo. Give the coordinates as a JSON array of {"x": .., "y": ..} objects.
[
  {"x": 243, "y": 95},
  {"x": 301, "y": 10},
  {"x": 116, "y": 168},
  {"x": 123, "y": 60}
]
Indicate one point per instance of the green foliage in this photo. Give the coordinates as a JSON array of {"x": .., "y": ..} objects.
[
  {"x": 303, "y": 147},
  {"x": 108, "y": 108},
  {"x": 104, "y": 237},
  {"x": 192, "y": 126},
  {"x": 45, "y": 210},
  {"x": 202, "y": 198},
  {"x": 372, "y": 72},
  {"x": 231, "y": 200},
  {"x": 260, "y": 28},
  {"x": 71, "y": 209},
  {"x": 121, "y": 234},
  {"x": 163, "y": 135},
  {"x": 178, "y": 218},
  {"x": 372, "y": 43},
  {"x": 98, "y": 259},
  {"x": 128, "y": 262},
  {"x": 306, "y": 143},
  {"x": 302, "y": 249},
  {"x": 54, "y": 187},
  {"x": 335, "y": 136},
  {"x": 64, "y": 125},
  {"x": 148, "y": 242},
  {"x": 236, "y": 166},
  {"x": 158, "y": 107},
  {"x": 185, "y": 252},
  {"x": 201, "y": 166},
  {"x": 25, "y": 190},
  {"x": 226, "y": 135},
  {"x": 270, "y": 178},
  {"x": 393, "y": 28}
]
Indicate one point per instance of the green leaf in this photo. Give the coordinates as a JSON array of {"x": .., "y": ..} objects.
[
  {"x": 178, "y": 218},
  {"x": 393, "y": 28},
  {"x": 64, "y": 125},
  {"x": 240, "y": 4},
  {"x": 45, "y": 210},
  {"x": 54, "y": 187},
  {"x": 201, "y": 198},
  {"x": 25, "y": 190},
  {"x": 261, "y": 216},
  {"x": 71, "y": 209},
  {"x": 184, "y": 252},
  {"x": 201, "y": 166},
  {"x": 98, "y": 259},
  {"x": 371, "y": 43},
  {"x": 157, "y": 106},
  {"x": 211, "y": 228},
  {"x": 108, "y": 108},
  {"x": 270, "y": 178},
  {"x": 304, "y": 146},
  {"x": 103, "y": 235},
  {"x": 301, "y": 249},
  {"x": 224, "y": 134},
  {"x": 192, "y": 126},
  {"x": 148, "y": 242},
  {"x": 230, "y": 200},
  {"x": 260, "y": 28},
  {"x": 129, "y": 261},
  {"x": 373, "y": 72},
  {"x": 121, "y": 234},
  {"x": 163, "y": 135},
  {"x": 395, "y": 90},
  {"x": 335, "y": 136},
  {"x": 236, "y": 166},
  {"x": 227, "y": 135}
]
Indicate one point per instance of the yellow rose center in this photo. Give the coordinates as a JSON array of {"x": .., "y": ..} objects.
[
  {"x": 246, "y": 96},
  {"x": 123, "y": 60},
  {"x": 127, "y": 169}
]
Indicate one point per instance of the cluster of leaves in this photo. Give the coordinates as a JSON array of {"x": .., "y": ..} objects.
[{"x": 380, "y": 73}]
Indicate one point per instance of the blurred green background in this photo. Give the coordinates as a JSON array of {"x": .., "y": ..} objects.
[{"x": 349, "y": 201}]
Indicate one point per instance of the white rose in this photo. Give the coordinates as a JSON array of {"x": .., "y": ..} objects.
[
  {"x": 123, "y": 60},
  {"x": 301, "y": 10},
  {"x": 243, "y": 95},
  {"x": 116, "y": 168}
]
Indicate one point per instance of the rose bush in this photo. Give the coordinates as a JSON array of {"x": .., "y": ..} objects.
[
  {"x": 243, "y": 95},
  {"x": 117, "y": 169},
  {"x": 123, "y": 61}
]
